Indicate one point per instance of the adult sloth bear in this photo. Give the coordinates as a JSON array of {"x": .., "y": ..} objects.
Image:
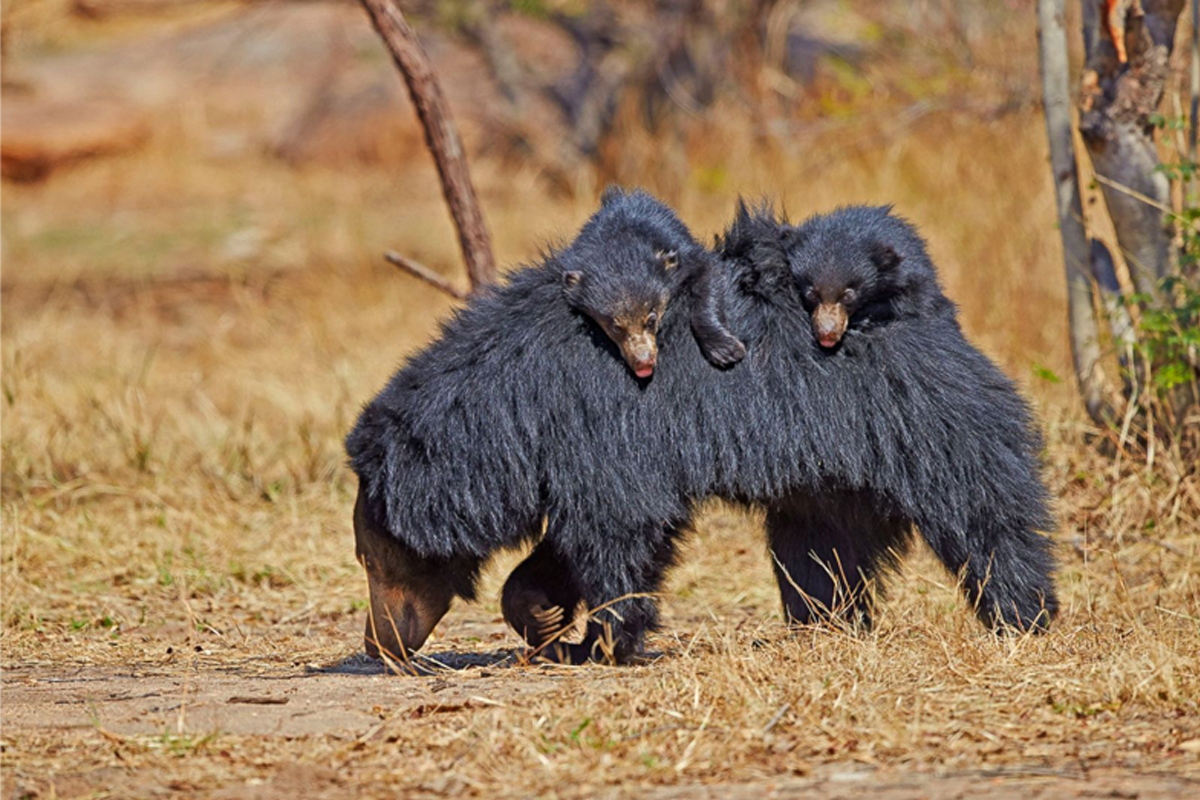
[{"x": 522, "y": 412}]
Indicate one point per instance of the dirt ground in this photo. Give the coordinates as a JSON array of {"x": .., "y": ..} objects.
[
  {"x": 348, "y": 703},
  {"x": 345, "y": 704}
]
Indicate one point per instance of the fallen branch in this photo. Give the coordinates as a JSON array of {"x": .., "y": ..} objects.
[{"x": 426, "y": 274}]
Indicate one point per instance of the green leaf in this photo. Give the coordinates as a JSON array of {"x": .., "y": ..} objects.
[
  {"x": 1044, "y": 373},
  {"x": 1171, "y": 375}
]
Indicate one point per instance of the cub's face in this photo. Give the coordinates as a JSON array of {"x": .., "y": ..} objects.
[
  {"x": 627, "y": 301},
  {"x": 842, "y": 282}
]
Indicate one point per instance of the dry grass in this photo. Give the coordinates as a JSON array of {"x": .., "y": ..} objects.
[{"x": 175, "y": 504}]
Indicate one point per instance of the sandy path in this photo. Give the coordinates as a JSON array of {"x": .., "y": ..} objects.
[{"x": 345, "y": 702}]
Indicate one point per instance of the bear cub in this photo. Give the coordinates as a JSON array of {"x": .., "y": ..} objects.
[
  {"x": 658, "y": 260},
  {"x": 852, "y": 276}
]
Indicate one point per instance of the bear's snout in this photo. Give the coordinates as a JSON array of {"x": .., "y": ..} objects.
[
  {"x": 641, "y": 353},
  {"x": 829, "y": 324}
]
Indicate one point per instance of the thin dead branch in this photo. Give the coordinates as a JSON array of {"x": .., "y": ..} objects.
[
  {"x": 441, "y": 136},
  {"x": 423, "y": 272}
]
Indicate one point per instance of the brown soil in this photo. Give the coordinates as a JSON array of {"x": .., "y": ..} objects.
[{"x": 344, "y": 702}]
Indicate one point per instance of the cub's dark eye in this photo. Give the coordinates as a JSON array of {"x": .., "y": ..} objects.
[
  {"x": 812, "y": 296},
  {"x": 652, "y": 320},
  {"x": 849, "y": 296}
]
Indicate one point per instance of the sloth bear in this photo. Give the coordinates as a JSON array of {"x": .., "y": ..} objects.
[
  {"x": 521, "y": 415},
  {"x": 948, "y": 447},
  {"x": 487, "y": 431},
  {"x": 896, "y": 421}
]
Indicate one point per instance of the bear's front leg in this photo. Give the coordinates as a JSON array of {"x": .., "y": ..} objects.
[
  {"x": 540, "y": 600},
  {"x": 618, "y": 575}
]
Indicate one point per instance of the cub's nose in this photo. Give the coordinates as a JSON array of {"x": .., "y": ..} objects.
[
  {"x": 641, "y": 353},
  {"x": 829, "y": 324}
]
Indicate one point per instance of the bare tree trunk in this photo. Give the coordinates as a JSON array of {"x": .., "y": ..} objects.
[
  {"x": 440, "y": 135},
  {"x": 1085, "y": 335},
  {"x": 1194, "y": 106},
  {"x": 1128, "y": 46}
]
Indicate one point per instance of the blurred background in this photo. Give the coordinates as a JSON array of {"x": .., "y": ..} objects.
[{"x": 148, "y": 142}]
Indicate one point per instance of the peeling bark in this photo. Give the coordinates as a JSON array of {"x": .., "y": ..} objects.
[{"x": 1116, "y": 102}]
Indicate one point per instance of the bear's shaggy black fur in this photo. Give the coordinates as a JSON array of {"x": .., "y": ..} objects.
[
  {"x": 912, "y": 425},
  {"x": 521, "y": 412},
  {"x": 849, "y": 443}
]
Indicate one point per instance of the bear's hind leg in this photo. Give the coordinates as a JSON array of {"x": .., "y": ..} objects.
[
  {"x": 1007, "y": 570},
  {"x": 828, "y": 555}
]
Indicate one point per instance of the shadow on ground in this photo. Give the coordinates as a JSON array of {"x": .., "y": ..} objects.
[{"x": 426, "y": 664}]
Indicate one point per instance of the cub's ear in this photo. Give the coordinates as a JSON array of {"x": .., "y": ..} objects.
[
  {"x": 611, "y": 193},
  {"x": 792, "y": 238},
  {"x": 669, "y": 259},
  {"x": 571, "y": 279},
  {"x": 884, "y": 257}
]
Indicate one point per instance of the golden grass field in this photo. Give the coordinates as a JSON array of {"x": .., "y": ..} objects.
[{"x": 185, "y": 343}]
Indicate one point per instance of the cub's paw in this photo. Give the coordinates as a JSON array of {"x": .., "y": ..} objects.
[{"x": 726, "y": 353}]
